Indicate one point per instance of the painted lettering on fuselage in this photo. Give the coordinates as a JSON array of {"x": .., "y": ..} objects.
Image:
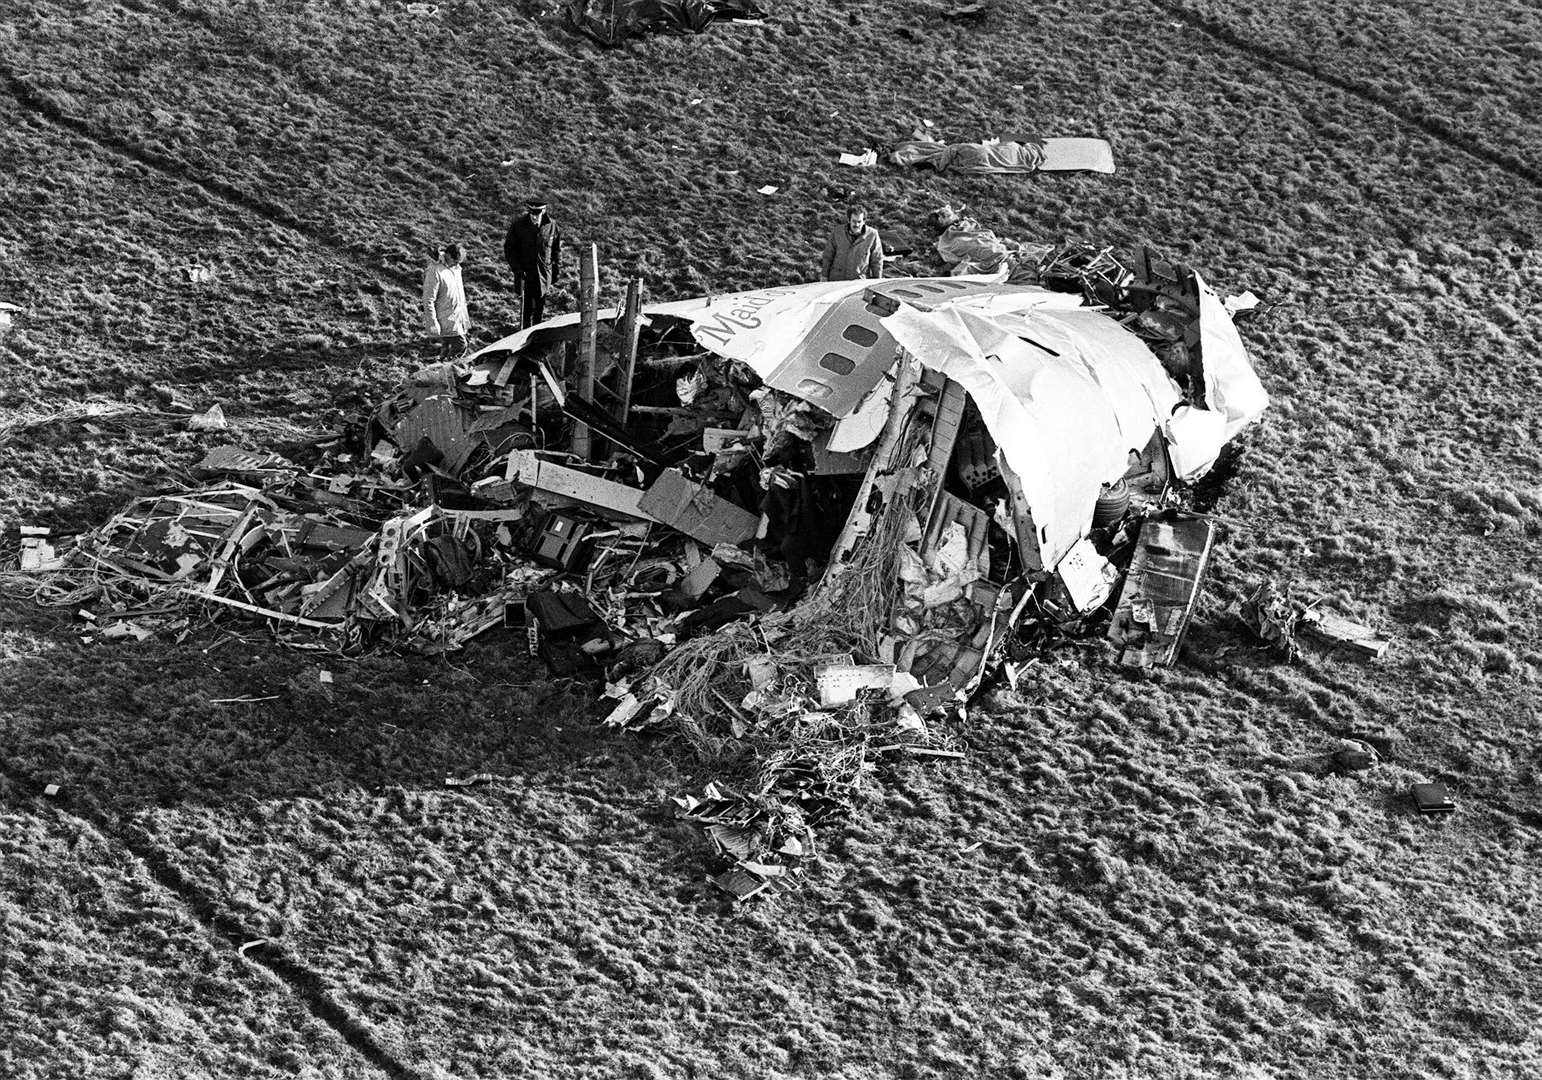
[{"x": 723, "y": 326}]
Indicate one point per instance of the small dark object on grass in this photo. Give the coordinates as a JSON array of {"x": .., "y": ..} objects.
[
  {"x": 638, "y": 656},
  {"x": 568, "y": 659},
  {"x": 1211, "y": 488},
  {"x": 1270, "y": 613},
  {"x": 1355, "y": 756},
  {"x": 1432, "y": 799}
]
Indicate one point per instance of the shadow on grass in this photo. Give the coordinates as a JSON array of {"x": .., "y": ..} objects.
[
  {"x": 315, "y": 351},
  {"x": 220, "y": 719},
  {"x": 1225, "y": 643}
]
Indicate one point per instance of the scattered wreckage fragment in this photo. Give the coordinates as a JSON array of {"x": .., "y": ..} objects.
[
  {"x": 1275, "y": 617},
  {"x": 1160, "y": 590}
]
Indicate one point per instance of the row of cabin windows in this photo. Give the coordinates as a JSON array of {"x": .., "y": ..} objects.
[{"x": 866, "y": 337}]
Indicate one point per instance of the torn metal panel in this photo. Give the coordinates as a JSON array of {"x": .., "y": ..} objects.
[
  {"x": 947, "y": 421},
  {"x": 320, "y": 534},
  {"x": 1030, "y": 538},
  {"x": 444, "y": 424},
  {"x": 1161, "y": 590},
  {"x": 37, "y": 553},
  {"x": 825, "y": 342},
  {"x": 1062, "y": 431},
  {"x": 840, "y": 683},
  {"x": 241, "y": 462},
  {"x": 690, "y": 508},
  {"x": 741, "y": 884},
  {"x": 1232, "y": 387},
  {"x": 526, "y": 468},
  {"x": 885, "y": 476}
]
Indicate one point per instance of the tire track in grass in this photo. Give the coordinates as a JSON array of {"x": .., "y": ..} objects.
[
  {"x": 40, "y": 105},
  {"x": 304, "y": 983},
  {"x": 1442, "y": 131},
  {"x": 240, "y": 39},
  {"x": 301, "y": 980}
]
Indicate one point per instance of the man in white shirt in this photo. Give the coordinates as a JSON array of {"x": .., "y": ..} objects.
[{"x": 444, "y": 301}]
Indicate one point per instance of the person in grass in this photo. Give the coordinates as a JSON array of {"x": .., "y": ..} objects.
[
  {"x": 444, "y": 301},
  {"x": 533, "y": 248},
  {"x": 852, "y": 250}
]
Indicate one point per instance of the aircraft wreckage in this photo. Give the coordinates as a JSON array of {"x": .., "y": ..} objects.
[{"x": 808, "y": 519}]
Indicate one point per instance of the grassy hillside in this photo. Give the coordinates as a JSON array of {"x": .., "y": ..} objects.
[{"x": 1170, "y": 880}]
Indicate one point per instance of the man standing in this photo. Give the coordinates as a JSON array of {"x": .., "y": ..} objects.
[
  {"x": 533, "y": 248},
  {"x": 444, "y": 301},
  {"x": 853, "y": 250}
]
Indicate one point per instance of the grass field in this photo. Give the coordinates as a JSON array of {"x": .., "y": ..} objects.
[{"x": 1170, "y": 881}]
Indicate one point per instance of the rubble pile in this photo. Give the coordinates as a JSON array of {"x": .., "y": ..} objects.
[
  {"x": 342, "y": 562},
  {"x": 797, "y": 527}
]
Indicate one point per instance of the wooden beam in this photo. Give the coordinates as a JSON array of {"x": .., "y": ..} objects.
[
  {"x": 1342, "y": 631},
  {"x": 630, "y": 327},
  {"x": 588, "y": 288}
]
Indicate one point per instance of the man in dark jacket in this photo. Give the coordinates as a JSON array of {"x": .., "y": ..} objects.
[
  {"x": 852, "y": 250},
  {"x": 533, "y": 248}
]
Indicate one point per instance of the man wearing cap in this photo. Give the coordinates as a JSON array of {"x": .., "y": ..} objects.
[
  {"x": 852, "y": 250},
  {"x": 533, "y": 247}
]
